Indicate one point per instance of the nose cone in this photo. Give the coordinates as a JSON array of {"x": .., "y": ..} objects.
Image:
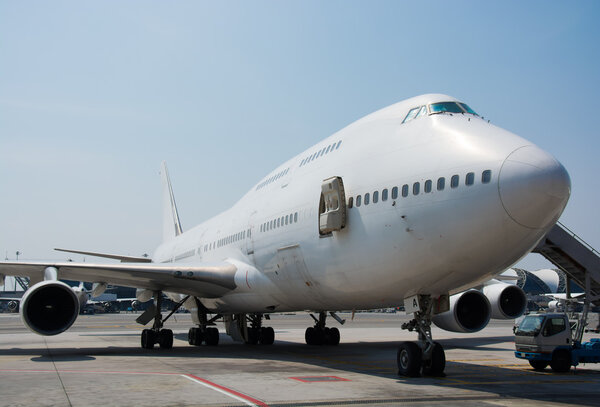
[{"x": 534, "y": 187}]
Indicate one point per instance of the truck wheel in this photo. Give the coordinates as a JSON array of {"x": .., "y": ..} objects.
[
  {"x": 538, "y": 364},
  {"x": 561, "y": 361}
]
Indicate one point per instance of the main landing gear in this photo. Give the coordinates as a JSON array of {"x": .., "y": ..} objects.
[
  {"x": 157, "y": 335},
  {"x": 204, "y": 333},
  {"x": 258, "y": 334},
  {"x": 320, "y": 334},
  {"x": 425, "y": 357}
]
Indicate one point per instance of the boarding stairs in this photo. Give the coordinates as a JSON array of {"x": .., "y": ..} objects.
[{"x": 575, "y": 257}]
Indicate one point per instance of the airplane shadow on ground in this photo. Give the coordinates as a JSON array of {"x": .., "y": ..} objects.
[{"x": 488, "y": 381}]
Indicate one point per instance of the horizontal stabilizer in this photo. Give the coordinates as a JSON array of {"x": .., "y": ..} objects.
[{"x": 123, "y": 259}]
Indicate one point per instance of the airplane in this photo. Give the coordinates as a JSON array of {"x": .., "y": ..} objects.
[{"x": 413, "y": 204}]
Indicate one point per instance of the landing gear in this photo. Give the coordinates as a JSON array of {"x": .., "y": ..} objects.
[
  {"x": 157, "y": 335},
  {"x": 258, "y": 333},
  {"x": 204, "y": 333},
  {"x": 425, "y": 357},
  {"x": 320, "y": 334}
]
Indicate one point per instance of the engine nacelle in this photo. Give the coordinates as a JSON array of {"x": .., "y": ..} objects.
[
  {"x": 469, "y": 312},
  {"x": 507, "y": 301},
  {"x": 49, "y": 307}
]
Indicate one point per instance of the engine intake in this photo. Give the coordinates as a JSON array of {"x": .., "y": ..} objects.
[
  {"x": 507, "y": 301},
  {"x": 469, "y": 312},
  {"x": 49, "y": 307}
]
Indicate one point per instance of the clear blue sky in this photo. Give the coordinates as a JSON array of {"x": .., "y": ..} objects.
[{"x": 93, "y": 95}]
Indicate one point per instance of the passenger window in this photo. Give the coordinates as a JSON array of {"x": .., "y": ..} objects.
[
  {"x": 278, "y": 222},
  {"x": 358, "y": 200},
  {"x": 428, "y": 184},
  {"x": 367, "y": 196},
  {"x": 291, "y": 218},
  {"x": 328, "y": 148},
  {"x": 441, "y": 183},
  {"x": 470, "y": 179},
  {"x": 296, "y": 217},
  {"x": 350, "y": 202},
  {"x": 375, "y": 196},
  {"x": 384, "y": 195},
  {"x": 338, "y": 144},
  {"x": 405, "y": 190},
  {"x": 486, "y": 176},
  {"x": 454, "y": 181},
  {"x": 416, "y": 188},
  {"x": 286, "y": 219},
  {"x": 394, "y": 192}
]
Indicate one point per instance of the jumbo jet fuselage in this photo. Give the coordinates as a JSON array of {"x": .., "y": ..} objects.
[{"x": 435, "y": 205}]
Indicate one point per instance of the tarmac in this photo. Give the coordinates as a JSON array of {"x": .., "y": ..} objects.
[{"x": 99, "y": 362}]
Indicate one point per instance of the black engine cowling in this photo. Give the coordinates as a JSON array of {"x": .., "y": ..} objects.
[
  {"x": 469, "y": 312},
  {"x": 49, "y": 307}
]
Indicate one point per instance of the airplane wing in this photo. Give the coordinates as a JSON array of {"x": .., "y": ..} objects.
[{"x": 204, "y": 280}]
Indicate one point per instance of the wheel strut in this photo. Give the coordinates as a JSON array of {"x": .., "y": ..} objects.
[{"x": 425, "y": 356}]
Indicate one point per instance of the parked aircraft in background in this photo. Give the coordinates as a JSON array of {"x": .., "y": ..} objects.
[{"x": 412, "y": 204}]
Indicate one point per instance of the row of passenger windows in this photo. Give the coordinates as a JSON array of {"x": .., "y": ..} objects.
[
  {"x": 236, "y": 237},
  {"x": 279, "y": 222},
  {"x": 272, "y": 178},
  {"x": 486, "y": 177},
  {"x": 320, "y": 153}
]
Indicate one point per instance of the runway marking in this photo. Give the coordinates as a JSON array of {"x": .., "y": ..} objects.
[
  {"x": 313, "y": 379},
  {"x": 244, "y": 398},
  {"x": 226, "y": 391}
]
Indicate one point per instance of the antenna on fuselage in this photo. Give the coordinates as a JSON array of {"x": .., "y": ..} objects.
[{"x": 171, "y": 223}]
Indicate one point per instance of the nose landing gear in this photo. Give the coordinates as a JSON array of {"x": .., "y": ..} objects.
[{"x": 426, "y": 356}]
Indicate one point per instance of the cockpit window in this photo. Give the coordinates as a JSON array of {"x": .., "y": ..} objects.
[
  {"x": 412, "y": 113},
  {"x": 468, "y": 109},
  {"x": 436, "y": 108},
  {"x": 445, "y": 107}
]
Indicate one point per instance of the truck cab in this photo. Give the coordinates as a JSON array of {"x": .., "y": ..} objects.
[{"x": 545, "y": 339}]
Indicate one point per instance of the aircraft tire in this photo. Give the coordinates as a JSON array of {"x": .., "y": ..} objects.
[
  {"x": 165, "y": 339},
  {"x": 435, "y": 367},
  {"x": 332, "y": 336},
  {"x": 309, "y": 335},
  {"x": 212, "y": 336},
  {"x": 148, "y": 339},
  {"x": 561, "y": 361},
  {"x": 252, "y": 336},
  {"x": 538, "y": 364},
  {"x": 409, "y": 359},
  {"x": 195, "y": 336},
  {"x": 266, "y": 336}
]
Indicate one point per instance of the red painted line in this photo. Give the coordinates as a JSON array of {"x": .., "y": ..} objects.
[
  {"x": 230, "y": 391},
  {"x": 84, "y": 371},
  {"x": 320, "y": 379}
]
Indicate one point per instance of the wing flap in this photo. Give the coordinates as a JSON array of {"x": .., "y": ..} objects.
[{"x": 206, "y": 280}]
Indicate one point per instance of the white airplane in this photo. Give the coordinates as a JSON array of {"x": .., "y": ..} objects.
[{"x": 412, "y": 204}]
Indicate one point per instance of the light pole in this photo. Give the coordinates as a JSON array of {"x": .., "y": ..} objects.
[{"x": 17, "y": 253}]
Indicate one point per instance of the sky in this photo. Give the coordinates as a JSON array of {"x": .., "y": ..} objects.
[{"x": 94, "y": 95}]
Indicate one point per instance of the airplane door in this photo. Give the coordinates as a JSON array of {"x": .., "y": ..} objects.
[
  {"x": 249, "y": 241},
  {"x": 332, "y": 206}
]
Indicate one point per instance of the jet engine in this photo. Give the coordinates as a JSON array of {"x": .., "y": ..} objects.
[
  {"x": 49, "y": 307},
  {"x": 507, "y": 301},
  {"x": 469, "y": 312}
]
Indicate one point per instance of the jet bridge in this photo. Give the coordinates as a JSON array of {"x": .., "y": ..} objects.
[{"x": 575, "y": 257}]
